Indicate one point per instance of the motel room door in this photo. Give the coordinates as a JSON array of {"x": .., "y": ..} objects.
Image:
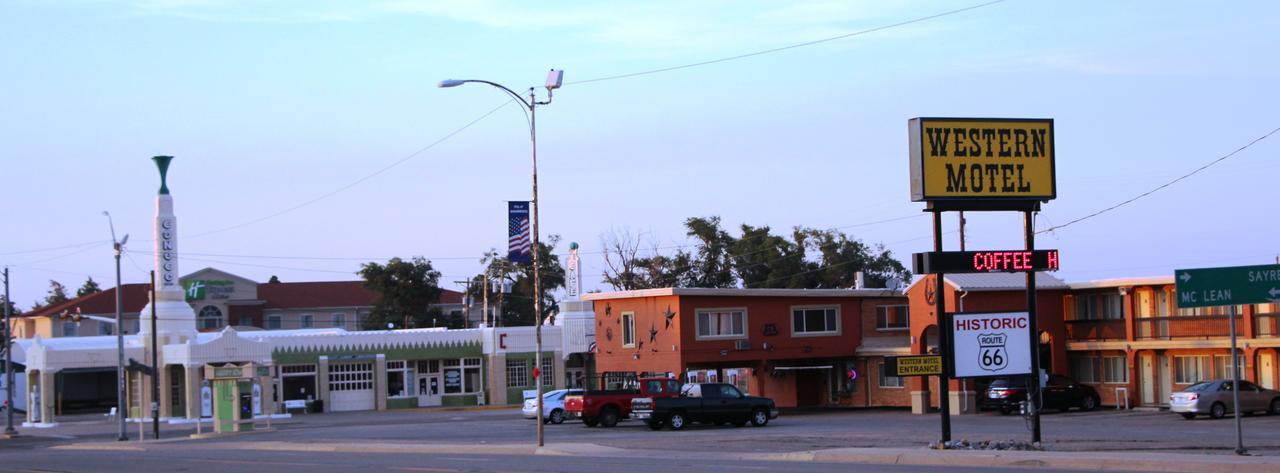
[
  {"x": 429, "y": 390},
  {"x": 1266, "y": 370},
  {"x": 1148, "y": 379}
]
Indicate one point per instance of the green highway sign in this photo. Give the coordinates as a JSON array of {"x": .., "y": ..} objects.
[{"x": 1207, "y": 287}]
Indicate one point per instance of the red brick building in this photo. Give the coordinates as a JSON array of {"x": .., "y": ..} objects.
[{"x": 796, "y": 346}]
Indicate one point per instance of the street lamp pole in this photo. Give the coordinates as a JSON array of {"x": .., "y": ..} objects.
[
  {"x": 118, "y": 246},
  {"x": 554, "y": 79},
  {"x": 8, "y": 360}
]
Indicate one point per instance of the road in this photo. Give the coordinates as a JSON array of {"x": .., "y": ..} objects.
[{"x": 499, "y": 440}]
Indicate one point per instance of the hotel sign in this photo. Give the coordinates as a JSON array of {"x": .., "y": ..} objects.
[
  {"x": 915, "y": 365},
  {"x": 982, "y": 159}
]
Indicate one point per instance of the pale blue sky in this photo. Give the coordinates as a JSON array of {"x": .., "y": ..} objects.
[{"x": 271, "y": 104}]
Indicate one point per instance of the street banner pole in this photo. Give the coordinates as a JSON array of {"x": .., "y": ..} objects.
[
  {"x": 944, "y": 337},
  {"x": 1235, "y": 381},
  {"x": 1033, "y": 392}
]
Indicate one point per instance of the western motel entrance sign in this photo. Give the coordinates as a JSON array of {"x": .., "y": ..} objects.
[{"x": 981, "y": 159}]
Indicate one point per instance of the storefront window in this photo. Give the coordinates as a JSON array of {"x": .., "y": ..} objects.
[
  {"x": 517, "y": 373},
  {"x": 548, "y": 372},
  {"x": 397, "y": 373}
]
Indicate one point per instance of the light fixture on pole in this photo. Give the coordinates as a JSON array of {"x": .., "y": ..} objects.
[
  {"x": 554, "y": 79},
  {"x": 118, "y": 246}
]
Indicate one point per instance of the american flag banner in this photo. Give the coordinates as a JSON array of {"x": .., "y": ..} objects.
[{"x": 519, "y": 246}]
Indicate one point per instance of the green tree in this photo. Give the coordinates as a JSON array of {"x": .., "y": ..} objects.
[
  {"x": 762, "y": 259},
  {"x": 406, "y": 290},
  {"x": 626, "y": 270},
  {"x": 90, "y": 287},
  {"x": 711, "y": 265},
  {"x": 57, "y": 294},
  {"x": 517, "y": 306}
]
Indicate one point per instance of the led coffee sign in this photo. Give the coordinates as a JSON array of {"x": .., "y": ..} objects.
[{"x": 992, "y": 261}]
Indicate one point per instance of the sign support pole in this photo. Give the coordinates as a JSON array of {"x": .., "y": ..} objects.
[
  {"x": 1235, "y": 382},
  {"x": 1033, "y": 392},
  {"x": 944, "y": 336}
]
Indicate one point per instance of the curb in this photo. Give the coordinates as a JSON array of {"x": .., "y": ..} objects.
[{"x": 1163, "y": 462}]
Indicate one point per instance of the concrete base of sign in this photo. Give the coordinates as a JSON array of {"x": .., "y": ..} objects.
[
  {"x": 964, "y": 403},
  {"x": 920, "y": 402}
]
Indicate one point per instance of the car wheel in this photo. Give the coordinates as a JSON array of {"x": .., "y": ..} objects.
[
  {"x": 1275, "y": 407},
  {"x": 1188, "y": 415},
  {"x": 759, "y": 418},
  {"x": 655, "y": 425},
  {"x": 590, "y": 421},
  {"x": 676, "y": 421},
  {"x": 1090, "y": 403},
  {"x": 609, "y": 417},
  {"x": 557, "y": 416},
  {"x": 1218, "y": 410}
]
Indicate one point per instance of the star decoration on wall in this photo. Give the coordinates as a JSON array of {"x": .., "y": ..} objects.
[
  {"x": 653, "y": 333},
  {"x": 669, "y": 315}
]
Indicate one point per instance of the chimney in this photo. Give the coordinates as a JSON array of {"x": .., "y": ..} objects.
[{"x": 859, "y": 280}]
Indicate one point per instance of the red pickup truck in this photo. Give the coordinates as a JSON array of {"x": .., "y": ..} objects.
[{"x": 606, "y": 407}]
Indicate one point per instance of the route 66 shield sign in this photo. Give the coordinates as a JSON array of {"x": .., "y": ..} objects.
[{"x": 992, "y": 355}]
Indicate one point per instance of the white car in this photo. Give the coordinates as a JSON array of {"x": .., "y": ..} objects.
[{"x": 552, "y": 405}]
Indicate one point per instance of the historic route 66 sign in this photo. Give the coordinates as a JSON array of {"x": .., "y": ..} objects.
[
  {"x": 991, "y": 344},
  {"x": 991, "y": 351}
]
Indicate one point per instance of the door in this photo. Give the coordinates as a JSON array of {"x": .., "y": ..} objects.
[
  {"x": 1166, "y": 383},
  {"x": 1266, "y": 371},
  {"x": 351, "y": 387},
  {"x": 1148, "y": 379},
  {"x": 428, "y": 390}
]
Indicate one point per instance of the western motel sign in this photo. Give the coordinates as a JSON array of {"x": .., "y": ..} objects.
[{"x": 982, "y": 159}]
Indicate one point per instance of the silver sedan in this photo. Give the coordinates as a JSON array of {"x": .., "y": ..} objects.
[{"x": 1214, "y": 398}]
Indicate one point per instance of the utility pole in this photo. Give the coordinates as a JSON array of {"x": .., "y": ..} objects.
[
  {"x": 155, "y": 365},
  {"x": 8, "y": 360},
  {"x": 485, "y": 307}
]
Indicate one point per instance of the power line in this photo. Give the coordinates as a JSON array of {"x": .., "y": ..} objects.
[
  {"x": 55, "y": 248},
  {"x": 784, "y": 48},
  {"x": 1162, "y": 186}
]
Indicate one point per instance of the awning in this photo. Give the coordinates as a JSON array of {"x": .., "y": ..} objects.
[{"x": 798, "y": 368}]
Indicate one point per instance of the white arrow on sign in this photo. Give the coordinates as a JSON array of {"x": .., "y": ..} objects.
[
  {"x": 1185, "y": 277},
  {"x": 1275, "y": 293}
]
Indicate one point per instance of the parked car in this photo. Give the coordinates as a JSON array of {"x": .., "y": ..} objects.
[
  {"x": 1214, "y": 398},
  {"x": 605, "y": 407},
  {"x": 552, "y": 405},
  {"x": 718, "y": 403},
  {"x": 1060, "y": 392}
]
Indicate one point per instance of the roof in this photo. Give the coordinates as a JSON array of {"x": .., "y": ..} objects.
[
  {"x": 1002, "y": 282},
  {"x": 1124, "y": 282},
  {"x": 304, "y": 295},
  {"x": 735, "y": 292},
  {"x": 104, "y": 302}
]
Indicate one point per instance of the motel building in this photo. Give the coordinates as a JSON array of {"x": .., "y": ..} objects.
[
  {"x": 1124, "y": 337},
  {"x": 801, "y": 347},
  {"x": 304, "y": 343}
]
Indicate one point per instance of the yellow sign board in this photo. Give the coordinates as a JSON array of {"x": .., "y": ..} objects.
[
  {"x": 920, "y": 365},
  {"x": 982, "y": 159}
]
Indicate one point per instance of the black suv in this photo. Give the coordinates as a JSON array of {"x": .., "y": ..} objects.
[{"x": 1061, "y": 392}]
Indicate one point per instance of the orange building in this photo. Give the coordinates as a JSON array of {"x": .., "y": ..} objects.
[{"x": 801, "y": 347}]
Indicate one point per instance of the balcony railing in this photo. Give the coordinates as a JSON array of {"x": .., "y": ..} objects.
[
  {"x": 1268, "y": 324},
  {"x": 1095, "y": 330},
  {"x": 1194, "y": 327}
]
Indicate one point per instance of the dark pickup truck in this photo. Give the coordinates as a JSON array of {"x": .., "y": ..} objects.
[{"x": 717, "y": 403}]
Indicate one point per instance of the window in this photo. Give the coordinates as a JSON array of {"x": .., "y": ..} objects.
[
  {"x": 471, "y": 375},
  {"x": 273, "y": 322},
  {"x": 887, "y": 381},
  {"x": 350, "y": 376},
  {"x": 517, "y": 373},
  {"x": 1214, "y": 310},
  {"x": 628, "y": 329},
  {"x": 340, "y": 320},
  {"x": 1114, "y": 370},
  {"x": 397, "y": 373},
  {"x": 1266, "y": 308},
  {"x": 815, "y": 321},
  {"x": 209, "y": 318},
  {"x": 306, "y": 321},
  {"x": 463, "y": 376},
  {"x": 1162, "y": 303},
  {"x": 105, "y": 328},
  {"x": 892, "y": 317},
  {"x": 547, "y": 373},
  {"x": 1100, "y": 307},
  {"x": 722, "y": 323},
  {"x": 1222, "y": 366},
  {"x": 1191, "y": 369},
  {"x": 1085, "y": 369},
  {"x": 70, "y": 329}
]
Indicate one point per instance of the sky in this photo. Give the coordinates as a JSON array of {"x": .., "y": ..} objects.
[{"x": 310, "y": 136}]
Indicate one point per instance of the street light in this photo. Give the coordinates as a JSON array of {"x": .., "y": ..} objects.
[
  {"x": 120, "y": 404},
  {"x": 554, "y": 80}
]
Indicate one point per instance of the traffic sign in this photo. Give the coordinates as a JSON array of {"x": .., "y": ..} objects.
[
  {"x": 1205, "y": 287},
  {"x": 914, "y": 365}
]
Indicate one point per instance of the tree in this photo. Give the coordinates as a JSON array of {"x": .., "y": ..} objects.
[
  {"x": 13, "y": 308},
  {"x": 274, "y": 279},
  {"x": 90, "y": 287},
  {"x": 406, "y": 290},
  {"x": 761, "y": 259},
  {"x": 57, "y": 294},
  {"x": 517, "y": 307},
  {"x": 711, "y": 266},
  {"x": 626, "y": 270}
]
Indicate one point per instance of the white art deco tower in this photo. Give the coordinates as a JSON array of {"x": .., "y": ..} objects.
[{"x": 174, "y": 316}]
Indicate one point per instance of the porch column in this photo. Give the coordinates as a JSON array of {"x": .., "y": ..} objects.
[
  {"x": 166, "y": 394},
  {"x": 32, "y": 377},
  {"x": 48, "y": 396},
  {"x": 322, "y": 382},
  {"x": 192, "y": 384},
  {"x": 268, "y": 385},
  {"x": 558, "y": 366},
  {"x": 380, "y": 382},
  {"x": 497, "y": 380}
]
